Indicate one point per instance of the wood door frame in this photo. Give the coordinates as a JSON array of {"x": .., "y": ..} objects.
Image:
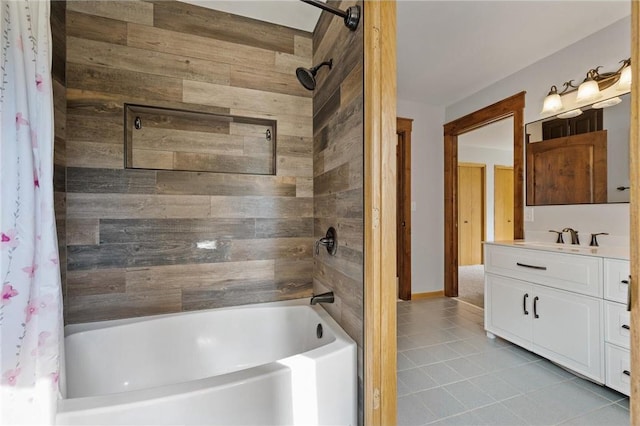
[
  {"x": 634, "y": 210},
  {"x": 404, "y": 127},
  {"x": 512, "y": 106},
  {"x": 483, "y": 216},
  {"x": 497, "y": 167},
  {"x": 380, "y": 295}
]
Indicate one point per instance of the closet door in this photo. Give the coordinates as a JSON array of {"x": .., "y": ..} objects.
[
  {"x": 503, "y": 203},
  {"x": 471, "y": 196}
]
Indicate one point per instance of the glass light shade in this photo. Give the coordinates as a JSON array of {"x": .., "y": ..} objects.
[
  {"x": 588, "y": 91},
  {"x": 552, "y": 103},
  {"x": 570, "y": 114},
  {"x": 624, "y": 84},
  {"x": 607, "y": 103}
]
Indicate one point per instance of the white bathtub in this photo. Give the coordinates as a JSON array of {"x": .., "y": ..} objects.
[{"x": 251, "y": 365}]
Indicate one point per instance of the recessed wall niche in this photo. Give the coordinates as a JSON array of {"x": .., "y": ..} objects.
[{"x": 172, "y": 139}]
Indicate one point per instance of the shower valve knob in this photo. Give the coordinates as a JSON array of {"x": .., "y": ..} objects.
[{"x": 330, "y": 241}]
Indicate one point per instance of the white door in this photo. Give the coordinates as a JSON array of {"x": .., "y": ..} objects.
[
  {"x": 508, "y": 309},
  {"x": 567, "y": 329}
]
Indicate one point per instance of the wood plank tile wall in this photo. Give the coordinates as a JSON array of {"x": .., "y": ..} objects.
[
  {"x": 338, "y": 174},
  {"x": 145, "y": 242}
]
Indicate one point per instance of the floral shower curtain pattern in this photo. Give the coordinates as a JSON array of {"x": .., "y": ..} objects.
[{"x": 30, "y": 308}]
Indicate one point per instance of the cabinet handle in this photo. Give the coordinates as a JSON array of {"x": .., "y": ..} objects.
[
  {"x": 627, "y": 373},
  {"x": 524, "y": 303},
  {"x": 625, "y": 281},
  {"x": 524, "y": 265},
  {"x": 626, "y": 327},
  {"x": 535, "y": 307},
  {"x": 629, "y": 294}
]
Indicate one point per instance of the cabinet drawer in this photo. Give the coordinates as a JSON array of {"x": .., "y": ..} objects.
[
  {"x": 617, "y": 321},
  {"x": 618, "y": 365},
  {"x": 616, "y": 276},
  {"x": 580, "y": 274}
]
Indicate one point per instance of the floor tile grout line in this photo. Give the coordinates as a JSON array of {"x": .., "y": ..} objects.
[
  {"x": 585, "y": 413},
  {"x": 493, "y": 373},
  {"x": 576, "y": 378},
  {"x": 475, "y": 409}
]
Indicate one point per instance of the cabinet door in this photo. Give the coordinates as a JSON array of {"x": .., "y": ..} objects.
[
  {"x": 567, "y": 328},
  {"x": 508, "y": 309}
]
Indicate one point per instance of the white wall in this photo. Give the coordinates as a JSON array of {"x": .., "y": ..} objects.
[
  {"x": 491, "y": 158},
  {"x": 616, "y": 121},
  {"x": 606, "y": 47},
  {"x": 427, "y": 191}
]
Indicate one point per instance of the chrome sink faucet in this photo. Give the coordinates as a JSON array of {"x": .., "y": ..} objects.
[{"x": 574, "y": 235}]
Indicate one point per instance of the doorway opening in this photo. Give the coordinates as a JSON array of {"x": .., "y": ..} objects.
[
  {"x": 509, "y": 107},
  {"x": 403, "y": 227},
  {"x": 485, "y": 201}
]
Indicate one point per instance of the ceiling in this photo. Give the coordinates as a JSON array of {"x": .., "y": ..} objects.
[
  {"x": 448, "y": 50},
  {"x": 498, "y": 135}
]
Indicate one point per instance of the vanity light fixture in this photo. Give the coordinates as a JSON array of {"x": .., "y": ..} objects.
[{"x": 589, "y": 90}]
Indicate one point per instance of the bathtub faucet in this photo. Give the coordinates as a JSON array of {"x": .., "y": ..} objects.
[{"x": 322, "y": 298}]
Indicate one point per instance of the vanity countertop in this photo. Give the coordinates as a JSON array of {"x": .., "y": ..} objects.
[{"x": 609, "y": 252}]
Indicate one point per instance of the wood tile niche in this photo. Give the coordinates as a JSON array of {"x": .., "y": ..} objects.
[{"x": 145, "y": 242}]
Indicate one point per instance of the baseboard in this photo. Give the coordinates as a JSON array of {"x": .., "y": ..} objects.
[{"x": 428, "y": 295}]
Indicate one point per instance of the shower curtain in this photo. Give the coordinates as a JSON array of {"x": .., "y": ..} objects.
[{"x": 30, "y": 309}]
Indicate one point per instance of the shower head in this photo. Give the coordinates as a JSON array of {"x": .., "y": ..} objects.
[{"x": 307, "y": 76}]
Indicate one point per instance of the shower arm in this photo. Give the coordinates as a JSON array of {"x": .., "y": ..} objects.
[{"x": 351, "y": 16}]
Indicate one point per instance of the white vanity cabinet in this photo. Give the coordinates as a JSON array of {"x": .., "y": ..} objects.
[
  {"x": 526, "y": 303},
  {"x": 554, "y": 303},
  {"x": 556, "y": 324}
]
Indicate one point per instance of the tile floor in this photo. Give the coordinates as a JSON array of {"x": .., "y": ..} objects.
[{"x": 450, "y": 373}]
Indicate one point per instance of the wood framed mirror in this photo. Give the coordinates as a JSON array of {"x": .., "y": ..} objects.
[{"x": 583, "y": 159}]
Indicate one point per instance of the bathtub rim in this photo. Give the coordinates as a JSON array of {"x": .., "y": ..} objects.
[{"x": 96, "y": 325}]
